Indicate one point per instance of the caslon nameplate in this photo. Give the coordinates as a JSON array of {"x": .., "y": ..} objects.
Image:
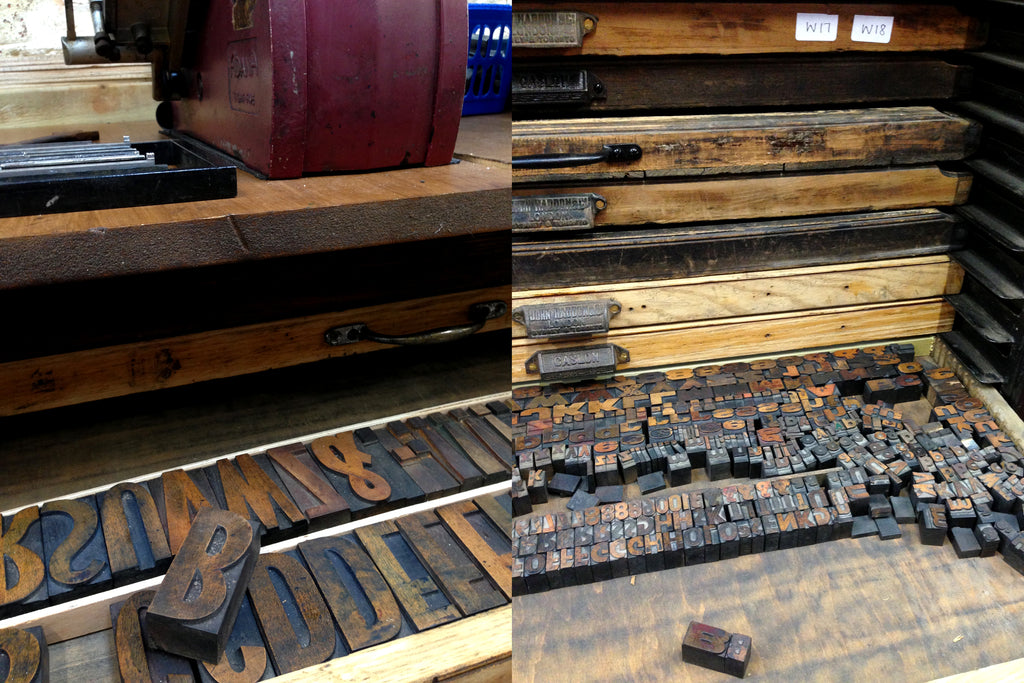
[
  {"x": 556, "y": 212},
  {"x": 566, "y": 318},
  {"x": 540, "y": 29},
  {"x": 582, "y": 362},
  {"x": 555, "y": 87}
]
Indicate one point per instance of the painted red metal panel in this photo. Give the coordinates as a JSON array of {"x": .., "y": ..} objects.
[{"x": 329, "y": 85}]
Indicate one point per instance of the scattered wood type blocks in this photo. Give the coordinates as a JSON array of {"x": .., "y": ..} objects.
[
  {"x": 26, "y": 654},
  {"x": 194, "y": 609},
  {"x": 713, "y": 648}
]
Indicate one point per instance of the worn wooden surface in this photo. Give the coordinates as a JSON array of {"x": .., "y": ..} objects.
[
  {"x": 769, "y": 196},
  {"x": 727, "y": 248},
  {"x": 787, "y": 80},
  {"x": 709, "y": 144},
  {"x": 658, "y": 28},
  {"x": 732, "y": 337},
  {"x": 41, "y": 383},
  {"x": 375, "y": 208},
  {"x": 761, "y": 292}
]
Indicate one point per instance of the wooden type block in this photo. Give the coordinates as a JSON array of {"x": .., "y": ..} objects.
[
  {"x": 903, "y": 510},
  {"x": 932, "y": 525},
  {"x": 448, "y": 454},
  {"x": 888, "y": 528},
  {"x": 636, "y": 555},
  {"x": 618, "y": 558},
  {"x": 428, "y": 473},
  {"x": 24, "y": 657},
  {"x": 964, "y": 542},
  {"x": 363, "y": 605},
  {"x": 564, "y": 485},
  {"x": 308, "y": 487},
  {"x": 863, "y": 526},
  {"x": 369, "y": 480},
  {"x": 718, "y": 464},
  {"x": 453, "y": 569},
  {"x": 581, "y": 500},
  {"x": 135, "y": 660},
  {"x": 179, "y": 496},
  {"x": 413, "y": 586},
  {"x": 493, "y": 433},
  {"x": 729, "y": 540},
  {"x": 245, "y": 656},
  {"x": 693, "y": 546},
  {"x": 960, "y": 512},
  {"x": 878, "y": 506},
  {"x": 649, "y": 483},
  {"x": 858, "y": 497},
  {"x": 878, "y": 484},
  {"x": 713, "y": 648},
  {"x": 609, "y": 494},
  {"x": 537, "y": 486},
  {"x": 518, "y": 579},
  {"x": 135, "y": 539},
  {"x": 74, "y": 551},
  {"x": 249, "y": 486},
  {"x": 600, "y": 556},
  {"x": 988, "y": 539},
  {"x": 494, "y": 469},
  {"x": 194, "y": 608},
  {"x": 21, "y": 550},
  {"x": 770, "y": 526}
]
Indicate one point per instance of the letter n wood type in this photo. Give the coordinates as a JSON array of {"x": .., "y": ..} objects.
[
  {"x": 137, "y": 662},
  {"x": 136, "y": 541},
  {"x": 423, "y": 600},
  {"x": 22, "y": 573},
  {"x": 452, "y": 568},
  {"x": 362, "y": 603},
  {"x": 196, "y": 604},
  {"x": 286, "y": 601},
  {"x": 24, "y": 657}
]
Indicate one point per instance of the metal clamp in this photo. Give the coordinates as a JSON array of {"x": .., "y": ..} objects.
[
  {"x": 479, "y": 314},
  {"x": 612, "y": 154}
]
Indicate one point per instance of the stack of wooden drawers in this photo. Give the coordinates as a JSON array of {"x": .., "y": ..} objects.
[
  {"x": 692, "y": 180},
  {"x": 987, "y": 335}
]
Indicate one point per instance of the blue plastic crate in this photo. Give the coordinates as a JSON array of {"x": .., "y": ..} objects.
[{"x": 489, "y": 68}]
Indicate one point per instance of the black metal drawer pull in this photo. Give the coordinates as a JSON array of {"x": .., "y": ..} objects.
[
  {"x": 479, "y": 314},
  {"x": 612, "y": 154}
]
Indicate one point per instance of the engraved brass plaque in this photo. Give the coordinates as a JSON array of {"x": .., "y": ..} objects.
[
  {"x": 550, "y": 29},
  {"x": 566, "y": 318},
  {"x": 556, "y": 212},
  {"x": 583, "y": 362}
]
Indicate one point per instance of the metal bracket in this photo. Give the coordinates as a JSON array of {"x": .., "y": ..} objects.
[
  {"x": 566, "y": 318},
  {"x": 583, "y": 362},
  {"x": 479, "y": 314}
]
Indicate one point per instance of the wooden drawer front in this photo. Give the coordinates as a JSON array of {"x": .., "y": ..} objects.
[
  {"x": 772, "y": 196},
  {"x": 735, "y": 337},
  {"x": 664, "y": 28},
  {"x": 745, "y": 143},
  {"x": 556, "y": 86},
  {"x": 58, "y": 380},
  {"x": 765, "y": 292}
]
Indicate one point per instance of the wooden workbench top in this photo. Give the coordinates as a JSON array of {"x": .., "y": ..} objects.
[{"x": 267, "y": 218}]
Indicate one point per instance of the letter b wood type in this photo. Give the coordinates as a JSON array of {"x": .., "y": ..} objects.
[
  {"x": 716, "y": 649},
  {"x": 195, "y": 607}
]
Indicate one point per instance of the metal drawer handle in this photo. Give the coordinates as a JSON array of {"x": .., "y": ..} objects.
[
  {"x": 479, "y": 314},
  {"x": 612, "y": 154}
]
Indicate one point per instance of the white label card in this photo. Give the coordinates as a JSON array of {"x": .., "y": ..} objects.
[
  {"x": 871, "y": 29},
  {"x": 822, "y": 27}
]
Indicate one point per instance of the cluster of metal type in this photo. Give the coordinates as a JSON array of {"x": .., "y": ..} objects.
[{"x": 778, "y": 422}]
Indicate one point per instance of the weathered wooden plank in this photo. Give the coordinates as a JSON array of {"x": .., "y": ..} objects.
[
  {"x": 118, "y": 370},
  {"x": 773, "y": 196},
  {"x": 762, "y": 292},
  {"x": 659, "y": 28},
  {"x": 786, "y": 80},
  {"x": 696, "y": 250},
  {"x": 744, "y": 143},
  {"x": 733, "y": 337}
]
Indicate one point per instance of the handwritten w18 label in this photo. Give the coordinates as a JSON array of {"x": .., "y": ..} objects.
[
  {"x": 822, "y": 27},
  {"x": 871, "y": 29}
]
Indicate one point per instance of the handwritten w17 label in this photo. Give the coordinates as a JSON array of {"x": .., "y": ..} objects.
[
  {"x": 822, "y": 27},
  {"x": 871, "y": 29}
]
